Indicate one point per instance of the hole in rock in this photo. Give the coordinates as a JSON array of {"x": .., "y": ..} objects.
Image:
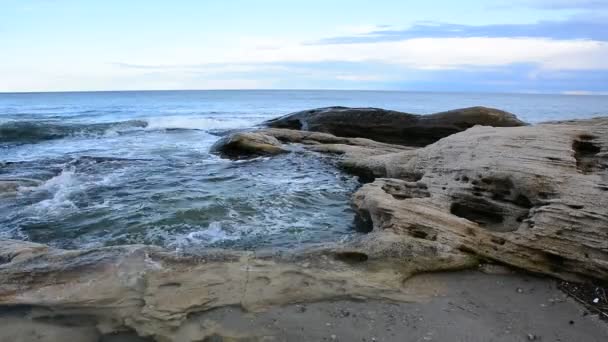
[
  {"x": 523, "y": 201},
  {"x": 576, "y": 206},
  {"x": 423, "y": 233},
  {"x": 351, "y": 257},
  {"x": 363, "y": 221},
  {"x": 555, "y": 261},
  {"x": 365, "y": 175},
  {"x": 171, "y": 285},
  {"x": 480, "y": 212},
  {"x": 585, "y": 153},
  {"x": 126, "y": 336}
]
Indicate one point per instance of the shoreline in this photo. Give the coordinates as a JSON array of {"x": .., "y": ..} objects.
[{"x": 477, "y": 195}]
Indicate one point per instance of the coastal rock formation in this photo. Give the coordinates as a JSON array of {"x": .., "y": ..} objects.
[
  {"x": 531, "y": 197},
  {"x": 247, "y": 144},
  {"x": 391, "y": 126}
]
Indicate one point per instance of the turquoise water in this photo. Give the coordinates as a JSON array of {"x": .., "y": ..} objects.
[{"x": 133, "y": 167}]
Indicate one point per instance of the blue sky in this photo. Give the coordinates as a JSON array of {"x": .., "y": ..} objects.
[{"x": 528, "y": 46}]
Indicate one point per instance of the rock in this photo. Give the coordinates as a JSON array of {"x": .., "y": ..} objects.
[
  {"x": 10, "y": 187},
  {"x": 328, "y": 143},
  {"x": 531, "y": 197},
  {"x": 392, "y": 126},
  {"x": 247, "y": 144},
  {"x": 152, "y": 291}
]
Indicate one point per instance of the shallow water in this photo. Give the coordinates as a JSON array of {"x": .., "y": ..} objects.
[{"x": 134, "y": 167}]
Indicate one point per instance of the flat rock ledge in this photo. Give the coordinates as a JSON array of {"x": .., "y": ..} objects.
[
  {"x": 532, "y": 197},
  {"x": 154, "y": 292}
]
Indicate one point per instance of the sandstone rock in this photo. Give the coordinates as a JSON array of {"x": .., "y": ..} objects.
[
  {"x": 152, "y": 291},
  {"x": 247, "y": 144},
  {"x": 392, "y": 126},
  {"x": 531, "y": 197}
]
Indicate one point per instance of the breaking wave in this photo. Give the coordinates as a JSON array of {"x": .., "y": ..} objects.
[
  {"x": 36, "y": 131},
  {"x": 20, "y": 132}
]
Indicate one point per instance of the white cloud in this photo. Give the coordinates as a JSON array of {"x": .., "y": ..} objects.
[
  {"x": 420, "y": 53},
  {"x": 239, "y": 64}
]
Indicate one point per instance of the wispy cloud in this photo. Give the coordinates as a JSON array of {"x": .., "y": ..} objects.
[
  {"x": 567, "y": 4},
  {"x": 592, "y": 28},
  {"x": 419, "y": 53}
]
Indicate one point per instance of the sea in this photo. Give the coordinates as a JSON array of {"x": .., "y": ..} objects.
[{"x": 112, "y": 168}]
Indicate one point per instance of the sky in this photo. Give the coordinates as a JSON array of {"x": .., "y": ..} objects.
[{"x": 515, "y": 46}]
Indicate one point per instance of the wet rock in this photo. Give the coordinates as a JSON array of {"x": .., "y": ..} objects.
[
  {"x": 392, "y": 126},
  {"x": 247, "y": 144},
  {"x": 10, "y": 187}
]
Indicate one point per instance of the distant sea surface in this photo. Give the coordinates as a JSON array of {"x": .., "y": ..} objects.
[{"x": 107, "y": 168}]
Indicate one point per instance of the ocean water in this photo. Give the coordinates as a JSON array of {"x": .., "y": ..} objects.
[{"x": 111, "y": 168}]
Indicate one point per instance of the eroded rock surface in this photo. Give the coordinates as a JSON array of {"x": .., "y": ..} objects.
[
  {"x": 153, "y": 291},
  {"x": 392, "y": 126},
  {"x": 531, "y": 197}
]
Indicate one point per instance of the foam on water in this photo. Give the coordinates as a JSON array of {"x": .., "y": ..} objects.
[
  {"x": 61, "y": 187},
  {"x": 196, "y": 122}
]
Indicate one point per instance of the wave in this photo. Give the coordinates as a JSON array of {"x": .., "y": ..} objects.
[
  {"x": 36, "y": 131},
  {"x": 195, "y": 122},
  {"x": 23, "y": 132}
]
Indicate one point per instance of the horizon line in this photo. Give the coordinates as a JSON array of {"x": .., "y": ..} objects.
[{"x": 567, "y": 93}]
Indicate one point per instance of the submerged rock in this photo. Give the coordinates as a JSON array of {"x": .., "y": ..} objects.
[
  {"x": 10, "y": 187},
  {"x": 247, "y": 144},
  {"x": 392, "y": 126}
]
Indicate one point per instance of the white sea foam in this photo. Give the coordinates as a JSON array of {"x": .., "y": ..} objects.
[
  {"x": 199, "y": 237},
  {"x": 195, "y": 122},
  {"x": 61, "y": 187}
]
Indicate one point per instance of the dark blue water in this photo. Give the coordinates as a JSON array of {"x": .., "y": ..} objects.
[{"x": 133, "y": 167}]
